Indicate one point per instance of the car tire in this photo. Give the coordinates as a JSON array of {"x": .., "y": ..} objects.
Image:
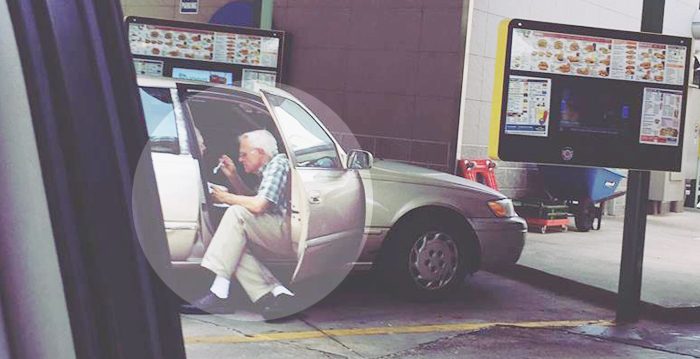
[{"x": 420, "y": 246}]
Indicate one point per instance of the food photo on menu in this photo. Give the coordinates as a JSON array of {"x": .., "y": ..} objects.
[
  {"x": 560, "y": 54},
  {"x": 242, "y": 49},
  {"x": 651, "y": 59},
  {"x": 154, "y": 40},
  {"x": 595, "y": 57},
  {"x": 247, "y": 50}
]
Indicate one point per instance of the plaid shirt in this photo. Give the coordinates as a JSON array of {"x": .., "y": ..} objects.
[{"x": 273, "y": 184}]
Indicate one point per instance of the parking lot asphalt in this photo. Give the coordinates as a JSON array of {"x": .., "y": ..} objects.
[{"x": 491, "y": 317}]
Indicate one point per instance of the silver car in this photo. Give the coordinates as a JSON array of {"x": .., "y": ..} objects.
[{"x": 419, "y": 229}]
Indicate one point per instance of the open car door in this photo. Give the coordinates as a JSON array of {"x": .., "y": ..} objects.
[
  {"x": 328, "y": 200},
  {"x": 176, "y": 171}
]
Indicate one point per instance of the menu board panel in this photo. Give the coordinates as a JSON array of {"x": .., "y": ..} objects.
[
  {"x": 203, "y": 45},
  {"x": 598, "y": 57},
  {"x": 251, "y": 77},
  {"x": 661, "y": 117},
  {"x": 216, "y": 77},
  {"x": 582, "y": 96},
  {"x": 148, "y": 67},
  {"x": 527, "y": 111}
]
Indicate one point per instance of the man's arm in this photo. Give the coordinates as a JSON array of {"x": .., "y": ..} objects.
[{"x": 238, "y": 185}]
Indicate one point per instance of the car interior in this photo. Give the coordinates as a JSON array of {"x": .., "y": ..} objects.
[{"x": 215, "y": 120}]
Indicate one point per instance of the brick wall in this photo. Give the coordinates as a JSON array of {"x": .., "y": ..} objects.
[{"x": 391, "y": 69}]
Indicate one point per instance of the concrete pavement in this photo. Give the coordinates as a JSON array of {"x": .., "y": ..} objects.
[{"x": 671, "y": 276}]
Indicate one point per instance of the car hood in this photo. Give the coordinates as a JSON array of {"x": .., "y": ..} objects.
[{"x": 383, "y": 170}]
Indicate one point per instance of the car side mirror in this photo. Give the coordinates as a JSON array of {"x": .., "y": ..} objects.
[{"x": 360, "y": 160}]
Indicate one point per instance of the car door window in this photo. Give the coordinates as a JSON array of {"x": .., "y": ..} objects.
[
  {"x": 311, "y": 145},
  {"x": 159, "y": 113}
]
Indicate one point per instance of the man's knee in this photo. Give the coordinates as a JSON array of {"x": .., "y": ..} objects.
[{"x": 239, "y": 213}]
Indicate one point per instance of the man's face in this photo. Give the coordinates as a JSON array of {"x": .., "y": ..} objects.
[{"x": 251, "y": 158}]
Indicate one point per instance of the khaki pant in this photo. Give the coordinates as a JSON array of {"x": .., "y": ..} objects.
[{"x": 229, "y": 253}]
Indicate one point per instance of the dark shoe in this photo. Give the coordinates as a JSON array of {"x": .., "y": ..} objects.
[
  {"x": 209, "y": 304},
  {"x": 277, "y": 308}
]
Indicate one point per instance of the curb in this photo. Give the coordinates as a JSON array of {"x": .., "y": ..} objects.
[{"x": 595, "y": 295}]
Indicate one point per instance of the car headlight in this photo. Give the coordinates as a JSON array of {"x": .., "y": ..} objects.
[{"x": 502, "y": 208}]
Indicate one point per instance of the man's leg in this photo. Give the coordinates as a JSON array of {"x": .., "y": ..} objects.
[
  {"x": 265, "y": 231},
  {"x": 228, "y": 244},
  {"x": 227, "y": 251},
  {"x": 254, "y": 277}
]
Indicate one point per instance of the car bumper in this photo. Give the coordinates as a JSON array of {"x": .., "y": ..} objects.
[{"x": 501, "y": 239}]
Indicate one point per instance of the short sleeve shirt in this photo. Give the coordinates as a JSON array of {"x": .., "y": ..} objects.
[{"x": 273, "y": 184}]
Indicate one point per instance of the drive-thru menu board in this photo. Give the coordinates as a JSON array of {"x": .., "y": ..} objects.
[
  {"x": 215, "y": 46},
  {"x": 585, "y": 96},
  {"x": 540, "y": 51},
  {"x": 202, "y": 47}
]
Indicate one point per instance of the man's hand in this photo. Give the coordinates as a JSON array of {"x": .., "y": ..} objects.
[
  {"x": 228, "y": 168},
  {"x": 219, "y": 196},
  {"x": 256, "y": 205}
]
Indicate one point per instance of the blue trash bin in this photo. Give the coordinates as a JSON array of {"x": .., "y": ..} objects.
[
  {"x": 581, "y": 188},
  {"x": 579, "y": 183}
]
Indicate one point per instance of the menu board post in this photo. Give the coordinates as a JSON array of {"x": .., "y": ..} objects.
[{"x": 663, "y": 110}]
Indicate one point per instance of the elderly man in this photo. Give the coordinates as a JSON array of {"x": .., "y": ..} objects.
[{"x": 254, "y": 217}]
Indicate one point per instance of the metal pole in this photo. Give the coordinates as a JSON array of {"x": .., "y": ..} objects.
[{"x": 630, "y": 285}]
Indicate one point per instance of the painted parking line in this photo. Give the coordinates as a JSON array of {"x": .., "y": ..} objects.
[{"x": 409, "y": 329}]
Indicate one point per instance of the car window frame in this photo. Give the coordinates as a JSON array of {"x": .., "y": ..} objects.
[
  {"x": 182, "y": 89},
  {"x": 342, "y": 156}
]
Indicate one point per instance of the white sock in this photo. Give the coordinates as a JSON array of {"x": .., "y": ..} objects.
[
  {"x": 280, "y": 289},
  {"x": 220, "y": 287}
]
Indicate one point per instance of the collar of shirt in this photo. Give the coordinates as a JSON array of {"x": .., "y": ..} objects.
[{"x": 262, "y": 169}]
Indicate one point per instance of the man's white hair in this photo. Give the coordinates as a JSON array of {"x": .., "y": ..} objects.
[{"x": 262, "y": 139}]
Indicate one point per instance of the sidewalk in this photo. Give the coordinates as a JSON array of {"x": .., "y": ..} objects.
[{"x": 671, "y": 277}]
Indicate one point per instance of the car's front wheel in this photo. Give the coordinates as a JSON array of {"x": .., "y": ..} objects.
[{"x": 425, "y": 260}]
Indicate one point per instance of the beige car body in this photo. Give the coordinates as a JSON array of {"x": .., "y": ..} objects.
[{"x": 393, "y": 191}]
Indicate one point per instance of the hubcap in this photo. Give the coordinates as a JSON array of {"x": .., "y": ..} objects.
[{"x": 433, "y": 260}]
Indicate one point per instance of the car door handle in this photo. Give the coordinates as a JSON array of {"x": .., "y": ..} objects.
[
  {"x": 314, "y": 198},
  {"x": 180, "y": 226}
]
